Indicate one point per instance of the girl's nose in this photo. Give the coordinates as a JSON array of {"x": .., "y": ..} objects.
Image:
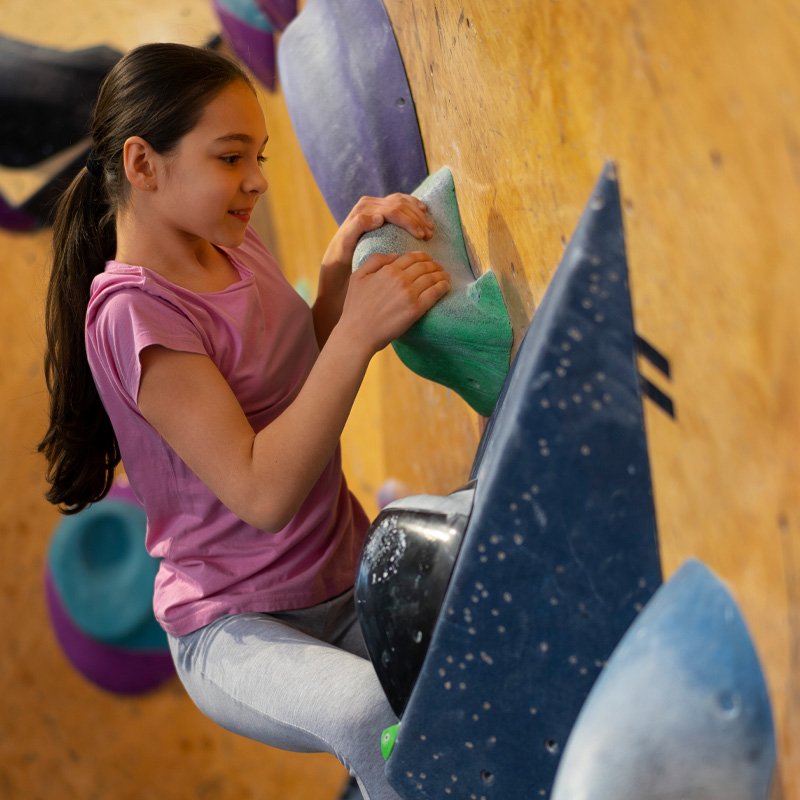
[{"x": 256, "y": 182}]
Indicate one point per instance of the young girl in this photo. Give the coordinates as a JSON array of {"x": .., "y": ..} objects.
[{"x": 175, "y": 344}]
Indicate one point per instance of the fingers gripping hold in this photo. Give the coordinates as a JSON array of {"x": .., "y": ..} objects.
[{"x": 389, "y": 294}]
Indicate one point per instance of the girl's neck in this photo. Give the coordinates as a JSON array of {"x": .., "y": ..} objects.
[{"x": 194, "y": 264}]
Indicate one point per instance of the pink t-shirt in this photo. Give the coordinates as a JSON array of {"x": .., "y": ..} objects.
[{"x": 260, "y": 334}]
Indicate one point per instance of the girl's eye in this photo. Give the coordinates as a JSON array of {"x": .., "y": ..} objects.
[
  {"x": 262, "y": 160},
  {"x": 230, "y": 159}
]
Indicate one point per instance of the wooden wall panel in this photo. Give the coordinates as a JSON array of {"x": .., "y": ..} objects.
[{"x": 697, "y": 104}]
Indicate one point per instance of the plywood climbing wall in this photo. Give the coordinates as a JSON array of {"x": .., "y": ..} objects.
[{"x": 698, "y": 104}]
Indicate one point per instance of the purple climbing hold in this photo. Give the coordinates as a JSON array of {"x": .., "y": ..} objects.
[
  {"x": 116, "y": 669},
  {"x": 250, "y": 33},
  {"x": 15, "y": 219},
  {"x": 279, "y": 12},
  {"x": 350, "y": 103}
]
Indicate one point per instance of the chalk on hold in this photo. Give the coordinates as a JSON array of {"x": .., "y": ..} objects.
[
  {"x": 681, "y": 709},
  {"x": 464, "y": 341},
  {"x": 348, "y": 97}
]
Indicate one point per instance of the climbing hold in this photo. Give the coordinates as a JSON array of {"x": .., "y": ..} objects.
[
  {"x": 250, "y": 33},
  {"x": 560, "y": 552},
  {"x": 279, "y": 12},
  {"x": 388, "y": 738},
  {"x": 681, "y": 709},
  {"x": 102, "y": 571},
  {"x": 129, "y": 668},
  {"x": 46, "y": 98},
  {"x": 99, "y": 591},
  {"x": 348, "y": 97},
  {"x": 402, "y": 575},
  {"x": 464, "y": 342},
  {"x": 391, "y": 490}
]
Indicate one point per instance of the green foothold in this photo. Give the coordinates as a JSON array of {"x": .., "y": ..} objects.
[
  {"x": 464, "y": 341},
  {"x": 388, "y": 738}
]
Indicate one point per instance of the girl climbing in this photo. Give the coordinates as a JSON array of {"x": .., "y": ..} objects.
[{"x": 175, "y": 344}]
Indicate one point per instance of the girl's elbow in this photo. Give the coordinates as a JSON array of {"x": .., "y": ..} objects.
[{"x": 270, "y": 517}]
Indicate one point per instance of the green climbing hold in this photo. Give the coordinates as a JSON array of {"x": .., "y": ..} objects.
[
  {"x": 464, "y": 341},
  {"x": 388, "y": 738}
]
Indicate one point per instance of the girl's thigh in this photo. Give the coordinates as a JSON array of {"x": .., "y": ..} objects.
[{"x": 261, "y": 677}]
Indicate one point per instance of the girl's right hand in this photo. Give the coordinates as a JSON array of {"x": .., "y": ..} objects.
[{"x": 388, "y": 294}]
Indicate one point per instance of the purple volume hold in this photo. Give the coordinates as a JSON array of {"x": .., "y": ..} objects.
[{"x": 349, "y": 100}]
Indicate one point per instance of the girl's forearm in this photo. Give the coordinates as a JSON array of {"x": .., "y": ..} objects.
[
  {"x": 290, "y": 454},
  {"x": 331, "y": 294}
]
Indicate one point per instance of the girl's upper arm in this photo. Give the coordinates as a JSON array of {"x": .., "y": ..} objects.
[{"x": 186, "y": 399}]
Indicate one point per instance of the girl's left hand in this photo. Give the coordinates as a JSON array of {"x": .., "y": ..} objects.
[{"x": 370, "y": 213}]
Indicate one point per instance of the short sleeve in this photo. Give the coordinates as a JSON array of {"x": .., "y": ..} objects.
[{"x": 125, "y": 323}]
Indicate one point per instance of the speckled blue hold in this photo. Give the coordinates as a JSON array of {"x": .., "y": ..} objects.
[{"x": 560, "y": 552}]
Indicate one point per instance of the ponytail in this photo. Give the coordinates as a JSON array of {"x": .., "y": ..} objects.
[
  {"x": 159, "y": 92},
  {"x": 80, "y": 445}
]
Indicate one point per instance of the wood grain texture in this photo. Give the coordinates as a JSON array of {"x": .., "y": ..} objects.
[{"x": 697, "y": 104}]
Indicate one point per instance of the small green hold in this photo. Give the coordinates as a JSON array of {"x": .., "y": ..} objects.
[
  {"x": 388, "y": 738},
  {"x": 463, "y": 342}
]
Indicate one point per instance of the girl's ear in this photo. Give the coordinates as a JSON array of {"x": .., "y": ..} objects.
[{"x": 140, "y": 163}]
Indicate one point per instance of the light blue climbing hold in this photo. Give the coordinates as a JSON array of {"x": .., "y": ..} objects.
[{"x": 680, "y": 711}]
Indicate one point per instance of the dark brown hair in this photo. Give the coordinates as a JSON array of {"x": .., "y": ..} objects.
[{"x": 158, "y": 92}]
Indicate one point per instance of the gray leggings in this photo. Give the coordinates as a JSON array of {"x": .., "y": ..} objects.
[{"x": 297, "y": 680}]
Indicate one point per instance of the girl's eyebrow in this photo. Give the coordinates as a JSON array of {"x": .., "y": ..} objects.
[{"x": 238, "y": 137}]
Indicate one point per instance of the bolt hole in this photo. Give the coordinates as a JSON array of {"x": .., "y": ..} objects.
[
  {"x": 487, "y": 777},
  {"x": 551, "y": 745}
]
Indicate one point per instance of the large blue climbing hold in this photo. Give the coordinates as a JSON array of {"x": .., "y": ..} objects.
[
  {"x": 349, "y": 100},
  {"x": 682, "y": 708},
  {"x": 560, "y": 552}
]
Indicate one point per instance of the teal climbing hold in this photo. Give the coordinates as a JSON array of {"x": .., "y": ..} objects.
[
  {"x": 464, "y": 341},
  {"x": 388, "y": 738}
]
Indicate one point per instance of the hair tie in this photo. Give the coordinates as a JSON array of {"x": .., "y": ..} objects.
[{"x": 93, "y": 165}]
